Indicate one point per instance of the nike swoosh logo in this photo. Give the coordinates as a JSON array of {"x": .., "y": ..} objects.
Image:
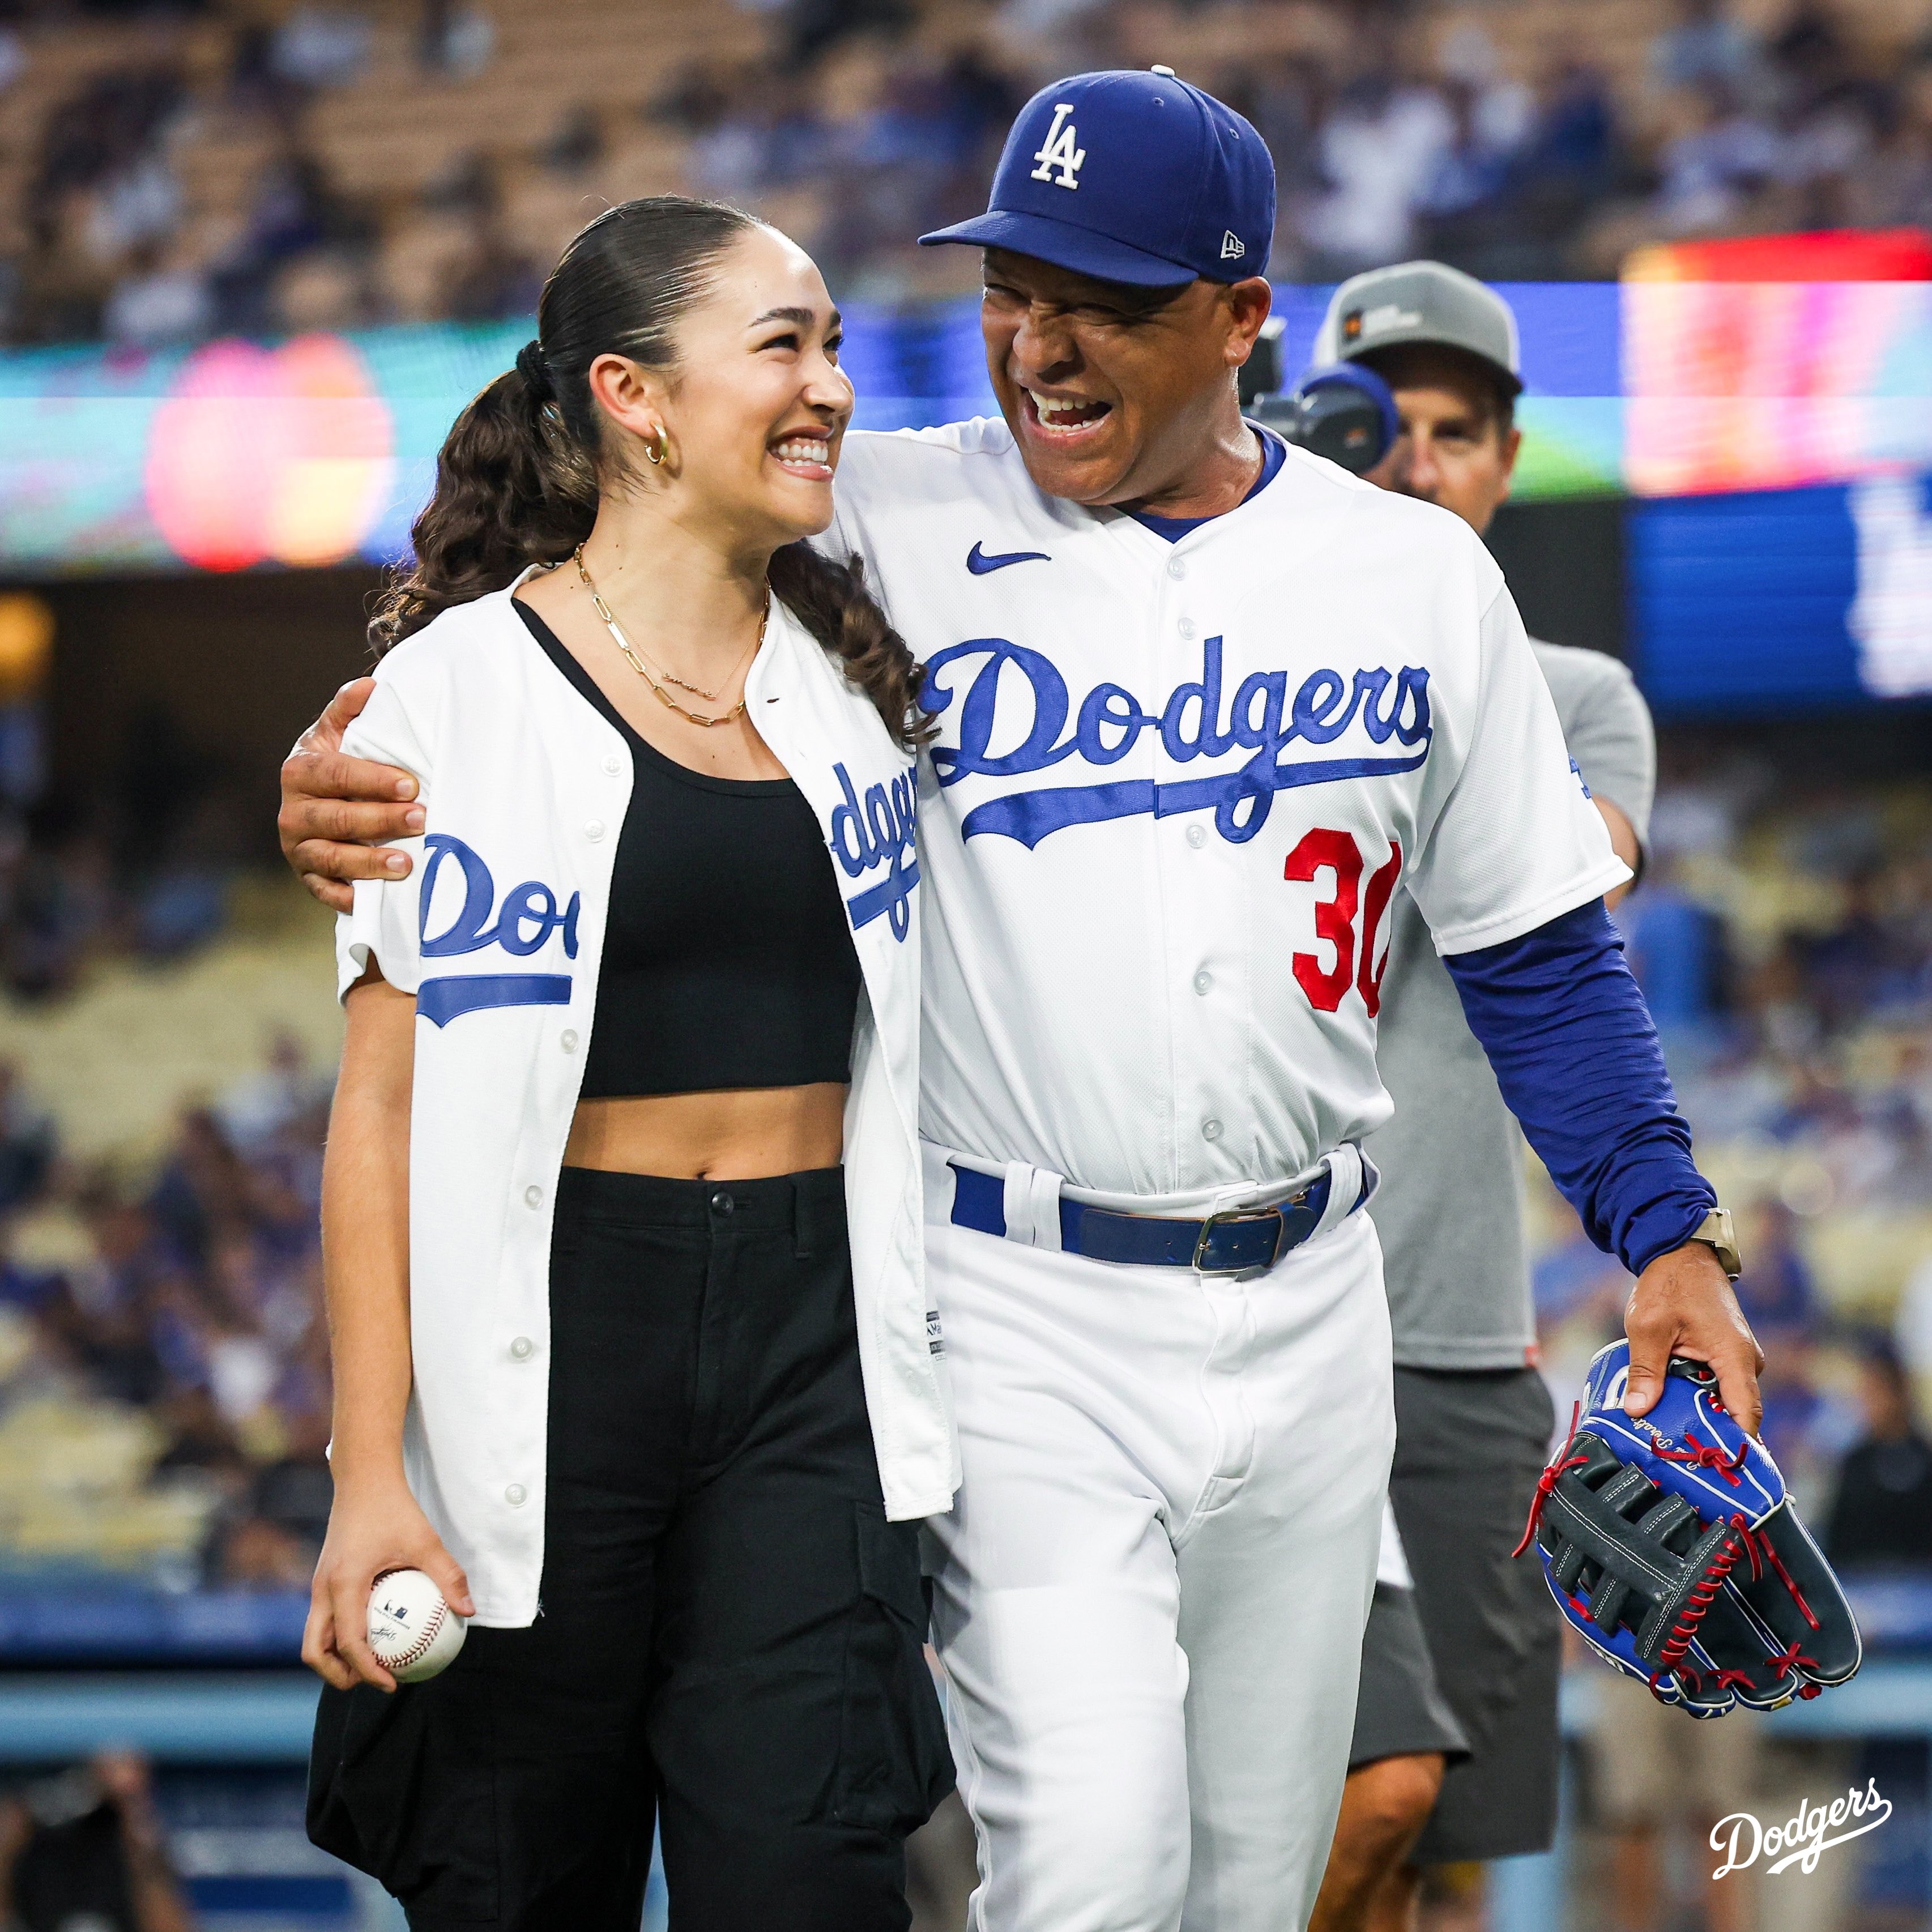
[{"x": 979, "y": 563}]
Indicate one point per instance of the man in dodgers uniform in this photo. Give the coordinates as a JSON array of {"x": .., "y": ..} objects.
[
  {"x": 1205, "y": 704},
  {"x": 1460, "y": 1660}
]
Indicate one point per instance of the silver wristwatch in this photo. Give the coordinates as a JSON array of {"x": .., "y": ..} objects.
[{"x": 1717, "y": 1233}]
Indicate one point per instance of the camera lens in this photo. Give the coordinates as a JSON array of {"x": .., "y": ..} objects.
[{"x": 1346, "y": 415}]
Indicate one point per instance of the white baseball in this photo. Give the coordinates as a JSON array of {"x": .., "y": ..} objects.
[{"x": 413, "y": 1633}]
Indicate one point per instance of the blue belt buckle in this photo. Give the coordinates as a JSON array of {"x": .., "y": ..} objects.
[
  {"x": 1294, "y": 1221},
  {"x": 1241, "y": 1269}
]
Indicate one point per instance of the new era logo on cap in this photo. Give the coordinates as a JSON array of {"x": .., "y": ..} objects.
[{"x": 1130, "y": 177}]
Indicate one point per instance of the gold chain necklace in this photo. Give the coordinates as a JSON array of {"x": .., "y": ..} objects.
[{"x": 638, "y": 664}]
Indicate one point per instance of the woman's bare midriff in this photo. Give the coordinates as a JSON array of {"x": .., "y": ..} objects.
[{"x": 739, "y": 1134}]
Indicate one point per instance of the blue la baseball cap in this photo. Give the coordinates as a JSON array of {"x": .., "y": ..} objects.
[{"x": 1130, "y": 177}]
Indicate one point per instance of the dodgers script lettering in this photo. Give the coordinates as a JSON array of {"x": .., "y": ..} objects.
[
  {"x": 880, "y": 830},
  {"x": 1261, "y": 719},
  {"x": 529, "y": 914}
]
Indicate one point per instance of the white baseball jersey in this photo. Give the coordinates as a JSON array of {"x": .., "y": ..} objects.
[
  {"x": 499, "y": 933},
  {"x": 1176, "y": 786}
]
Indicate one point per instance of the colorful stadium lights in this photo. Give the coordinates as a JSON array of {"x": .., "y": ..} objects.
[
  {"x": 1835, "y": 255},
  {"x": 1772, "y": 386},
  {"x": 26, "y": 644},
  {"x": 1774, "y": 362},
  {"x": 320, "y": 450},
  {"x": 284, "y": 454}
]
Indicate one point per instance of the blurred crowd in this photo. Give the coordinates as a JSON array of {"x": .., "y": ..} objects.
[
  {"x": 163, "y": 1356},
  {"x": 169, "y": 197},
  {"x": 75, "y": 888},
  {"x": 84, "y": 1850},
  {"x": 139, "y": 865}
]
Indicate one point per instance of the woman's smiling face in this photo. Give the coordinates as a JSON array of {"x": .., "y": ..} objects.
[{"x": 755, "y": 409}]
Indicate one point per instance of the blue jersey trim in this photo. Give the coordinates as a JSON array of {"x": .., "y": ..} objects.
[
  {"x": 439, "y": 1001},
  {"x": 1031, "y": 816},
  {"x": 1274, "y": 454}
]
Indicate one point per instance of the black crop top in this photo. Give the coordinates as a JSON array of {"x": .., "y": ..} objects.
[{"x": 727, "y": 957}]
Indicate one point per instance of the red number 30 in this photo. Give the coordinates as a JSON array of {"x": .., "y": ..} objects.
[{"x": 1323, "y": 850}]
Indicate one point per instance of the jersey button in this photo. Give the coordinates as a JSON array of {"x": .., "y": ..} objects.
[
  {"x": 516, "y": 1495},
  {"x": 568, "y": 1041},
  {"x": 1186, "y": 627},
  {"x": 1176, "y": 568},
  {"x": 1211, "y": 1130},
  {"x": 1197, "y": 836},
  {"x": 1203, "y": 982},
  {"x": 533, "y": 1197},
  {"x": 594, "y": 829},
  {"x": 522, "y": 1348}
]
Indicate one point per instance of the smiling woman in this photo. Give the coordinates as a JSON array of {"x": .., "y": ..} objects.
[{"x": 604, "y": 1337}]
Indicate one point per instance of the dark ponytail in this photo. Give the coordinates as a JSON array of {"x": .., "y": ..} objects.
[
  {"x": 518, "y": 477},
  {"x": 510, "y": 492}
]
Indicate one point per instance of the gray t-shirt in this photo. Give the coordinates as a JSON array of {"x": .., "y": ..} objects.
[{"x": 1450, "y": 1208}]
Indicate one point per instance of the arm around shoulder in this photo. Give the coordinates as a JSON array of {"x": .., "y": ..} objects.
[{"x": 343, "y": 792}]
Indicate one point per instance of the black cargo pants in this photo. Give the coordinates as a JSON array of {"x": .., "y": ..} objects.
[{"x": 730, "y": 1636}]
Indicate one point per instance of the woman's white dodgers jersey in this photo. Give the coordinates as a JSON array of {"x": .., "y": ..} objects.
[
  {"x": 499, "y": 932},
  {"x": 1175, "y": 787}
]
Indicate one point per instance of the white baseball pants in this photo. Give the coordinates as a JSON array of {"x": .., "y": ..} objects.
[{"x": 1151, "y": 1594}]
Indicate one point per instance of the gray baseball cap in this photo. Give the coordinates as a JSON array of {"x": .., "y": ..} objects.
[{"x": 1420, "y": 302}]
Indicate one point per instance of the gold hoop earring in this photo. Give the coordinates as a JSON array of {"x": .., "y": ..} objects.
[{"x": 657, "y": 449}]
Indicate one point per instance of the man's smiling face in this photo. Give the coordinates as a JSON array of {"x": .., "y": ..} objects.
[{"x": 1109, "y": 389}]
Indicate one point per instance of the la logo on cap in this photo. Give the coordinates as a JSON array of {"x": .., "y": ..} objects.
[{"x": 1058, "y": 151}]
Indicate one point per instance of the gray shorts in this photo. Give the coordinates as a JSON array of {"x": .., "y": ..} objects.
[
  {"x": 1400, "y": 1711},
  {"x": 1469, "y": 1446}
]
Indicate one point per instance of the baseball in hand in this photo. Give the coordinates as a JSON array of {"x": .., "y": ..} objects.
[{"x": 413, "y": 1634}]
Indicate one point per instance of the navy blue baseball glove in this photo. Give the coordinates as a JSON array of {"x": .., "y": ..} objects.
[{"x": 1670, "y": 1546}]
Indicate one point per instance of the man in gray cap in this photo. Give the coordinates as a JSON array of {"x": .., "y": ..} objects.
[{"x": 1455, "y": 1751}]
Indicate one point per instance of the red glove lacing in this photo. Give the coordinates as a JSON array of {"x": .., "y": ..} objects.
[
  {"x": 1703, "y": 1594},
  {"x": 1754, "y": 1539},
  {"x": 1706, "y": 1456},
  {"x": 1548, "y": 1481}
]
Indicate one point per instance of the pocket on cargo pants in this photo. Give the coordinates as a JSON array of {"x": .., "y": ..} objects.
[
  {"x": 894, "y": 1763},
  {"x": 403, "y": 1787}
]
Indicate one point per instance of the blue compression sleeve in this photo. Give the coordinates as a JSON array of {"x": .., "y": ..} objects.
[{"x": 1572, "y": 1048}]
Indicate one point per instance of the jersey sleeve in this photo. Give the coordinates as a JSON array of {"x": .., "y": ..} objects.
[
  {"x": 1516, "y": 842},
  {"x": 382, "y": 925},
  {"x": 1612, "y": 739}
]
